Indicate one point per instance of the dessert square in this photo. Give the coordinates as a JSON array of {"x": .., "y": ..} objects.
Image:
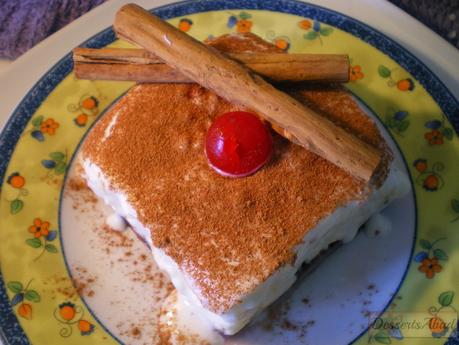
[{"x": 230, "y": 246}]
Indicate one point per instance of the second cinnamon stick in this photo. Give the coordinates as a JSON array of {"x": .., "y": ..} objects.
[{"x": 141, "y": 66}]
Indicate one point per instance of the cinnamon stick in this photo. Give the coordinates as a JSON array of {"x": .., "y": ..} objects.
[
  {"x": 141, "y": 66},
  {"x": 237, "y": 84}
]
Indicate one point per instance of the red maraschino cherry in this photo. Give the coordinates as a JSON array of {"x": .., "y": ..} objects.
[{"x": 238, "y": 144}]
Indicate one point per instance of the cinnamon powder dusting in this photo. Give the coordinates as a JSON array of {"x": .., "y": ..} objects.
[
  {"x": 226, "y": 235},
  {"x": 83, "y": 281}
]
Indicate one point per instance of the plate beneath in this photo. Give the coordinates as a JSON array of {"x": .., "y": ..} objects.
[{"x": 332, "y": 304}]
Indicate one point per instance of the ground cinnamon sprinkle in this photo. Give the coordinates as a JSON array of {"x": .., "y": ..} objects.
[
  {"x": 130, "y": 330},
  {"x": 60, "y": 287},
  {"x": 83, "y": 281},
  {"x": 136, "y": 332},
  {"x": 76, "y": 184},
  {"x": 78, "y": 190},
  {"x": 229, "y": 235},
  {"x": 114, "y": 239}
]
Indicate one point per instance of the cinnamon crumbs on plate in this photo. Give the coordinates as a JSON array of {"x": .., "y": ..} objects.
[{"x": 227, "y": 235}]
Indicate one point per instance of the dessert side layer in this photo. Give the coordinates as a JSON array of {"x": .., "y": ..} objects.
[{"x": 342, "y": 225}]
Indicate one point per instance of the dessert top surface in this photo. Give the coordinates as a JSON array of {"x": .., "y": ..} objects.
[{"x": 226, "y": 235}]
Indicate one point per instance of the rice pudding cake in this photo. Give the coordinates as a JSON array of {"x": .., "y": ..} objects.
[{"x": 230, "y": 246}]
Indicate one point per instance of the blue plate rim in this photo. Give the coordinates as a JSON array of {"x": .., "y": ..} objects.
[{"x": 10, "y": 329}]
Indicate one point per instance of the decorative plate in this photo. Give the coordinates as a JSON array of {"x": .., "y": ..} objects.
[{"x": 66, "y": 279}]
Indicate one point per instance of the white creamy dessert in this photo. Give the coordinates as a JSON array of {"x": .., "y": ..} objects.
[{"x": 231, "y": 247}]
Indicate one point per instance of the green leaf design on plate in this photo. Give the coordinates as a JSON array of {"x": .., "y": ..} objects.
[
  {"x": 310, "y": 35},
  {"x": 16, "y": 206},
  {"x": 51, "y": 248},
  {"x": 36, "y": 122},
  {"x": 390, "y": 121},
  {"x": 245, "y": 15},
  {"x": 425, "y": 244},
  {"x": 57, "y": 156},
  {"x": 384, "y": 71},
  {"x": 14, "y": 286},
  {"x": 440, "y": 254},
  {"x": 403, "y": 125},
  {"x": 382, "y": 337},
  {"x": 34, "y": 242},
  {"x": 455, "y": 205},
  {"x": 32, "y": 296},
  {"x": 448, "y": 133},
  {"x": 61, "y": 167},
  {"x": 446, "y": 298},
  {"x": 325, "y": 31}
]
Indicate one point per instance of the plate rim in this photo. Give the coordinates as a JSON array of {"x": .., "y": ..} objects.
[{"x": 18, "y": 119}]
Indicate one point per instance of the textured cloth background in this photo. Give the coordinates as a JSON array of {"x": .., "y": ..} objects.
[
  {"x": 442, "y": 16},
  {"x": 24, "y": 23}
]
